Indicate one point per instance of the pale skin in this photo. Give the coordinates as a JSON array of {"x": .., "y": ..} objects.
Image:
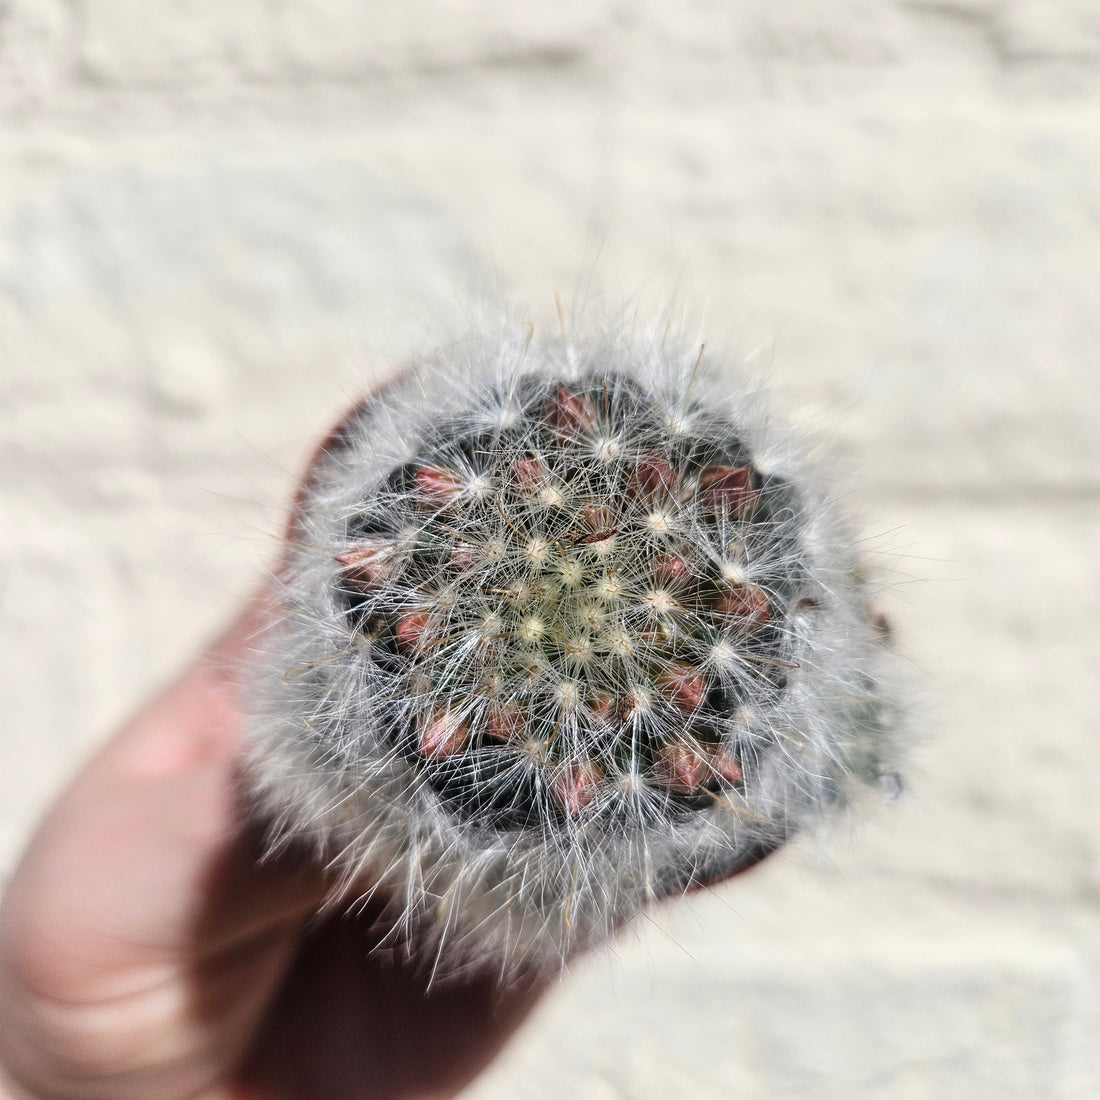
[{"x": 147, "y": 952}]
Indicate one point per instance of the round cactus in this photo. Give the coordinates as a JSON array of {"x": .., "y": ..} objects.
[{"x": 568, "y": 627}]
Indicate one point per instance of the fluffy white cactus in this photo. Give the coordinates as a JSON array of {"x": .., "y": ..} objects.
[{"x": 569, "y": 626}]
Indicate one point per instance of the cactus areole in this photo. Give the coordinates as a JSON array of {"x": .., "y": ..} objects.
[{"x": 569, "y": 626}]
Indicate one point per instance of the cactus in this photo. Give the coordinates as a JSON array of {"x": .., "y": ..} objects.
[{"x": 569, "y": 627}]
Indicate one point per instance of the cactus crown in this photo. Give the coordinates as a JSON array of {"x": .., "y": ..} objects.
[
  {"x": 560, "y": 641},
  {"x": 559, "y": 591}
]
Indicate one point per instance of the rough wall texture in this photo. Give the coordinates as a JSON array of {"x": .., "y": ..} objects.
[{"x": 220, "y": 220}]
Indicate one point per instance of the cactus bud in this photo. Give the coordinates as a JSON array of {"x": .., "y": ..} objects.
[
  {"x": 567, "y": 412},
  {"x": 727, "y": 486}
]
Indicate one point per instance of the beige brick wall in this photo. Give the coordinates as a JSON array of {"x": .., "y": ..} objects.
[{"x": 219, "y": 220}]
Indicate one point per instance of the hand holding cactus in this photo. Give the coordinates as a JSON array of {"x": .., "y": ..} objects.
[
  {"x": 563, "y": 627},
  {"x": 146, "y": 953}
]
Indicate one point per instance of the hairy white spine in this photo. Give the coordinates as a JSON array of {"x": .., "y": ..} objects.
[{"x": 570, "y": 625}]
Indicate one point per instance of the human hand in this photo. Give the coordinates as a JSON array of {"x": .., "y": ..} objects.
[{"x": 147, "y": 952}]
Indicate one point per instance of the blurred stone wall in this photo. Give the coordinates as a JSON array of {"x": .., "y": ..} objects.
[{"x": 220, "y": 220}]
